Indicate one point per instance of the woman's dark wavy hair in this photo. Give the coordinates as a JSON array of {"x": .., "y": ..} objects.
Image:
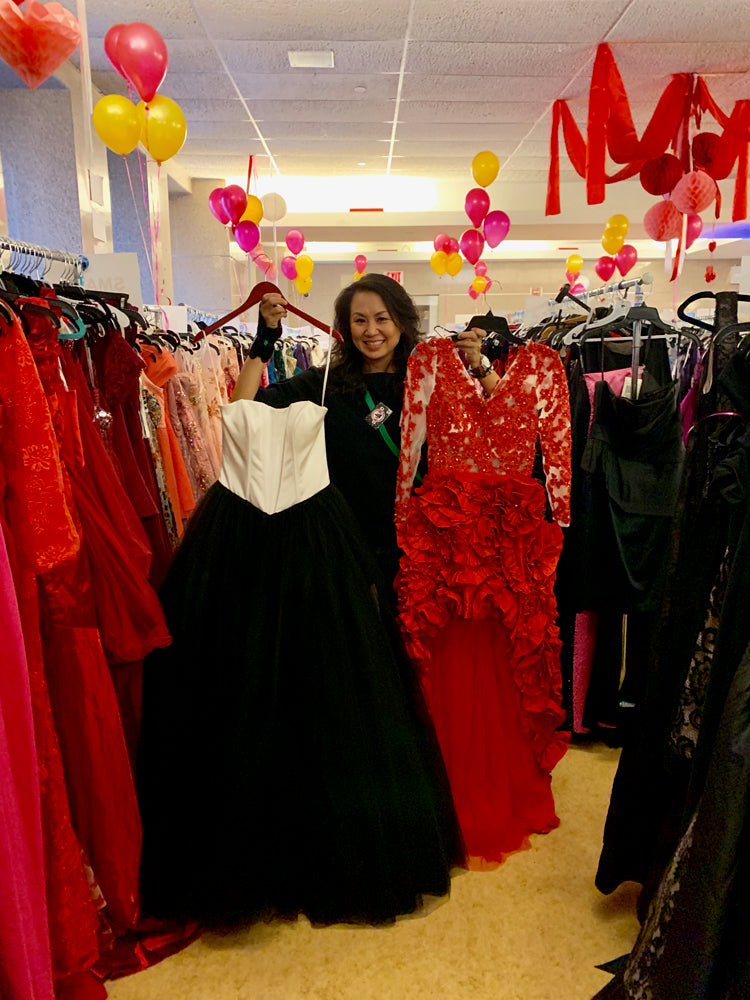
[{"x": 346, "y": 360}]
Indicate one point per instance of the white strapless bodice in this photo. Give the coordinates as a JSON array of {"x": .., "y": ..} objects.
[{"x": 274, "y": 458}]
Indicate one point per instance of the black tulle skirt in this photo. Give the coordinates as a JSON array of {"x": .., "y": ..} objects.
[{"x": 287, "y": 764}]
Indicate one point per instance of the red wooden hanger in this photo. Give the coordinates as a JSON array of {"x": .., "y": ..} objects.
[{"x": 256, "y": 294}]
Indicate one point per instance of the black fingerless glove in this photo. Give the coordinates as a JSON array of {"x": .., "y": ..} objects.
[{"x": 265, "y": 340}]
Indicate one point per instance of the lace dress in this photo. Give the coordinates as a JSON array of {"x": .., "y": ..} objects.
[
  {"x": 476, "y": 582},
  {"x": 286, "y": 766}
]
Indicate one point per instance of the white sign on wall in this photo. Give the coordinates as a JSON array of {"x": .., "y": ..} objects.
[{"x": 115, "y": 272}]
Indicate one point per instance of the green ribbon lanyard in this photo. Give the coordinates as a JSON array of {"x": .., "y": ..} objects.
[{"x": 386, "y": 436}]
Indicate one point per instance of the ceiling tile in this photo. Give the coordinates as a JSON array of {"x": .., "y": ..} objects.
[
  {"x": 316, "y": 86},
  {"x": 683, "y": 21},
  {"x": 478, "y": 59},
  {"x": 489, "y": 88},
  {"x": 515, "y": 20},
  {"x": 463, "y": 111},
  {"x": 172, "y": 19},
  {"x": 333, "y": 20}
]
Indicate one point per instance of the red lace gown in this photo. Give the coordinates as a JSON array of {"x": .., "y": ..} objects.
[{"x": 475, "y": 585}]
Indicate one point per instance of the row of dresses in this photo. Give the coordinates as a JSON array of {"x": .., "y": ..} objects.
[
  {"x": 79, "y": 614},
  {"x": 678, "y": 817}
]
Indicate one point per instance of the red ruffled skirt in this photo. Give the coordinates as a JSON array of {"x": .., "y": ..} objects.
[{"x": 478, "y": 612}]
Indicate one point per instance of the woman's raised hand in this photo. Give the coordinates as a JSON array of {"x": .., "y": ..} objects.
[
  {"x": 470, "y": 342},
  {"x": 272, "y": 308}
]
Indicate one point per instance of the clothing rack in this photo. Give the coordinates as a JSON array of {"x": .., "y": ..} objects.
[
  {"x": 77, "y": 261},
  {"x": 618, "y": 286}
]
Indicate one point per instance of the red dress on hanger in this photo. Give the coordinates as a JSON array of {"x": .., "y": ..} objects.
[{"x": 475, "y": 585}]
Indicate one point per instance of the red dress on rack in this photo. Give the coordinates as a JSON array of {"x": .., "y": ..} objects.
[
  {"x": 475, "y": 585},
  {"x": 40, "y": 536}
]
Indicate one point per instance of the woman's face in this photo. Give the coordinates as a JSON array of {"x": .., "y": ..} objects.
[{"x": 374, "y": 333}]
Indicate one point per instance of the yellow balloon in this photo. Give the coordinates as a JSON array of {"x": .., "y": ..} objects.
[
  {"x": 619, "y": 222},
  {"x": 304, "y": 266},
  {"x": 613, "y": 241},
  {"x": 254, "y": 210},
  {"x": 479, "y": 284},
  {"x": 163, "y": 127},
  {"x": 116, "y": 122},
  {"x": 303, "y": 284},
  {"x": 453, "y": 264},
  {"x": 357, "y": 275},
  {"x": 484, "y": 168},
  {"x": 438, "y": 262},
  {"x": 574, "y": 263}
]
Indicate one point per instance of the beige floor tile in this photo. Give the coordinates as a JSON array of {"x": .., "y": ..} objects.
[{"x": 534, "y": 929}]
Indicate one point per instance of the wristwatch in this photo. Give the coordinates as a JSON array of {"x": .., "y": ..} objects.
[{"x": 483, "y": 370}]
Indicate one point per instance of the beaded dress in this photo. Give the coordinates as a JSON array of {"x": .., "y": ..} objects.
[{"x": 475, "y": 585}]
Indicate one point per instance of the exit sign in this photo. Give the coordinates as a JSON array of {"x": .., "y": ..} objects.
[{"x": 396, "y": 275}]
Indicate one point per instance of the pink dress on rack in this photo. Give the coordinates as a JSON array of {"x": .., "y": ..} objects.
[{"x": 475, "y": 586}]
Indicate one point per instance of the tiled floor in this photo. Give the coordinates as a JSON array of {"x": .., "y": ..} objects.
[{"x": 534, "y": 929}]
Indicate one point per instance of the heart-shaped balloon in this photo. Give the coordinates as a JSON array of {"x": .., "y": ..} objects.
[
  {"x": 477, "y": 205},
  {"x": 626, "y": 259},
  {"x": 496, "y": 227},
  {"x": 234, "y": 203},
  {"x": 37, "y": 40},
  {"x": 142, "y": 54}
]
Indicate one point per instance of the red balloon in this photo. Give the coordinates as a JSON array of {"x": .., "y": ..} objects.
[
  {"x": 662, "y": 222},
  {"x": 111, "y": 40},
  {"x": 571, "y": 278},
  {"x": 488, "y": 285},
  {"x": 477, "y": 205},
  {"x": 440, "y": 241},
  {"x": 605, "y": 268},
  {"x": 473, "y": 293},
  {"x": 234, "y": 202},
  {"x": 472, "y": 244},
  {"x": 496, "y": 227},
  {"x": 694, "y": 229},
  {"x": 480, "y": 268},
  {"x": 247, "y": 235},
  {"x": 451, "y": 246},
  {"x": 142, "y": 54},
  {"x": 360, "y": 262},
  {"x": 214, "y": 203},
  {"x": 659, "y": 176},
  {"x": 626, "y": 259},
  {"x": 694, "y": 192},
  {"x": 714, "y": 154}
]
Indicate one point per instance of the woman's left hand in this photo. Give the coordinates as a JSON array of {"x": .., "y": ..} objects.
[{"x": 470, "y": 342}]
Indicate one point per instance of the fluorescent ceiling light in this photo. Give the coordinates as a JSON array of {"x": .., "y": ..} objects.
[
  {"x": 322, "y": 59},
  {"x": 339, "y": 194}
]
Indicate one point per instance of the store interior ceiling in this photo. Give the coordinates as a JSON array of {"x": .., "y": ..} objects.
[{"x": 413, "y": 90}]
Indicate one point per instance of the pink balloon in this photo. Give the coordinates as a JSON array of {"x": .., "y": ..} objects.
[
  {"x": 605, "y": 268},
  {"x": 440, "y": 241},
  {"x": 571, "y": 278},
  {"x": 451, "y": 246},
  {"x": 578, "y": 289},
  {"x": 289, "y": 267},
  {"x": 360, "y": 262},
  {"x": 473, "y": 293},
  {"x": 477, "y": 205},
  {"x": 694, "y": 229},
  {"x": 110, "y": 48},
  {"x": 626, "y": 259},
  {"x": 480, "y": 268},
  {"x": 214, "y": 203},
  {"x": 234, "y": 203},
  {"x": 247, "y": 235},
  {"x": 472, "y": 244},
  {"x": 488, "y": 285},
  {"x": 142, "y": 54},
  {"x": 496, "y": 227},
  {"x": 295, "y": 240}
]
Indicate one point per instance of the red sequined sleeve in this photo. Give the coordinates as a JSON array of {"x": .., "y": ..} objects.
[
  {"x": 553, "y": 401},
  {"x": 420, "y": 382}
]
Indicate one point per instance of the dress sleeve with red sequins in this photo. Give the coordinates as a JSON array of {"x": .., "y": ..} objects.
[
  {"x": 420, "y": 382},
  {"x": 553, "y": 402}
]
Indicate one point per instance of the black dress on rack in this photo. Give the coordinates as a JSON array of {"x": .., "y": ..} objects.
[{"x": 287, "y": 763}]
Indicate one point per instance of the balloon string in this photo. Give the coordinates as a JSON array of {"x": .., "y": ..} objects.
[
  {"x": 148, "y": 211},
  {"x": 138, "y": 218},
  {"x": 157, "y": 228}
]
